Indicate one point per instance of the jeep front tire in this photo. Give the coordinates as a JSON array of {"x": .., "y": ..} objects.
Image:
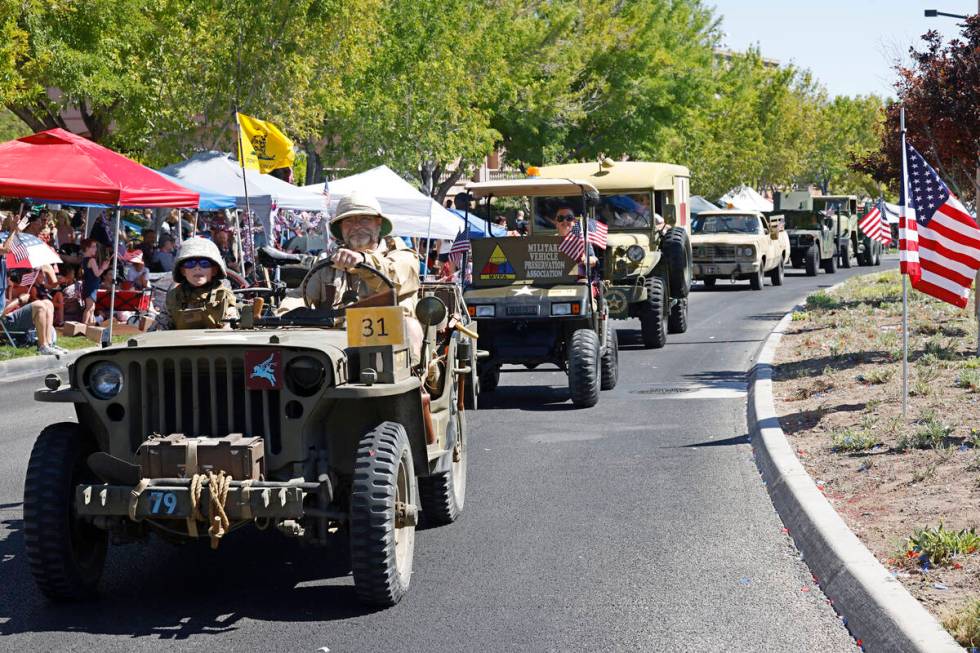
[
  {"x": 583, "y": 368},
  {"x": 653, "y": 314}
]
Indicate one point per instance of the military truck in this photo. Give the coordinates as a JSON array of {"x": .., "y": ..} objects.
[
  {"x": 316, "y": 423},
  {"x": 735, "y": 244},
  {"x": 535, "y": 298},
  {"x": 648, "y": 263},
  {"x": 822, "y": 229}
]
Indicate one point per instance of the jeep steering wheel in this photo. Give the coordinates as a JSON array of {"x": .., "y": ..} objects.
[{"x": 319, "y": 265}]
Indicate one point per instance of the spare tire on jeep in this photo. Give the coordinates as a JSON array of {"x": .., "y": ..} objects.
[{"x": 677, "y": 251}]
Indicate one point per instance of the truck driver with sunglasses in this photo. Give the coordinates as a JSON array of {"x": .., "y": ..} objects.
[{"x": 199, "y": 300}]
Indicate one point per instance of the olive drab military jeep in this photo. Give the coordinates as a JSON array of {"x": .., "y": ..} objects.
[
  {"x": 648, "y": 263},
  {"x": 822, "y": 229},
  {"x": 314, "y": 422},
  {"x": 535, "y": 298}
]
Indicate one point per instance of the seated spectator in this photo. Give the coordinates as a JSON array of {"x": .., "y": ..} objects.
[
  {"x": 137, "y": 276},
  {"x": 148, "y": 245},
  {"x": 21, "y": 314},
  {"x": 165, "y": 255}
]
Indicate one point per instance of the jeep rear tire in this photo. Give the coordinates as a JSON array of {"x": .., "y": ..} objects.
[
  {"x": 583, "y": 368},
  {"x": 383, "y": 511},
  {"x": 830, "y": 264},
  {"x": 677, "y": 320},
  {"x": 812, "y": 261},
  {"x": 680, "y": 271},
  {"x": 610, "y": 359},
  {"x": 758, "y": 280},
  {"x": 444, "y": 494},
  {"x": 777, "y": 273},
  {"x": 66, "y": 554},
  {"x": 653, "y": 314}
]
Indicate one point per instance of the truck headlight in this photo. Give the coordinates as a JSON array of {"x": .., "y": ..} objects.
[
  {"x": 635, "y": 253},
  {"x": 747, "y": 252},
  {"x": 305, "y": 375},
  {"x": 565, "y": 308},
  {"x": 105, "y": 380},
  {"x": 485, "y": 310}
]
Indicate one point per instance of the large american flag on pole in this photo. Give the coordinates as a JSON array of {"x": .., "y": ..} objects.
[
  {"x": 875, "y": 226},
  {"x": 939, "y": 243}
]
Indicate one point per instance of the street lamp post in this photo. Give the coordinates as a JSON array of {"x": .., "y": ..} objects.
[{"x": 932, "y": 13}]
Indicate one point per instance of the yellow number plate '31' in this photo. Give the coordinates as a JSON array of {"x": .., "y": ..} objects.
[{"x": 372, "y": 327}]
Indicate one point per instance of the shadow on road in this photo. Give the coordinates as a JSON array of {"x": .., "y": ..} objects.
[
  {"x": 176, "y": 592},
  {"x": 527, "y": 397},
  {"x": 727, "y": 442}
]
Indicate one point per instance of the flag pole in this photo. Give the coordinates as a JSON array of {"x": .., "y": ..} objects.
[
  {"x": 248, "y": 208},
  {"x": 905, "y": 289}
]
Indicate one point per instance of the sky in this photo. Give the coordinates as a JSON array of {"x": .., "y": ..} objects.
[{"x": 849, "y": 45}]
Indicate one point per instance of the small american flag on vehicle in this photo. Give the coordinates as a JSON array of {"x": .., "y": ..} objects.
[
  {"x": 598, "y": 234},
  {"x": 573, "y": 245},
  {"x": 459, "y": 247},
  {"x": 875, "y": 226}
]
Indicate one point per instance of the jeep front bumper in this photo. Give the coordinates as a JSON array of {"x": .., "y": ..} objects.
[{"x": 170, "y": 498}]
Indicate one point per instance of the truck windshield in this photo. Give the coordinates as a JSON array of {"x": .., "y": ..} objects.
[
  {"x": 802, "y": 220},
  {"x": 626, "y": 211},
  {"x": 727, "y": 224}
]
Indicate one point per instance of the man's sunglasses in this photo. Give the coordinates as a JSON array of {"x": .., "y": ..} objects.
[
  {"x": 203, "y": 263},
  {"x": 564, "y": 217}
]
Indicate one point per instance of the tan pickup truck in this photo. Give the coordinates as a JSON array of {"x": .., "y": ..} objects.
[{"x": 735, "y": 244}]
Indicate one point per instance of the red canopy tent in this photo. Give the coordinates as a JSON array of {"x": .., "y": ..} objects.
[{"x": 59, "y": 166}]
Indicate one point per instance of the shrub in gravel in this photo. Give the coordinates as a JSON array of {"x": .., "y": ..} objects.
[
  {"x": 822, "y": 301},
  {"x": 854, "y": 440},
  {"x": 877, "y": 376},
  {"x": 964, "y": 624},
  {"x": 969, "y": 380},
  {"x": 931, "y": 434},
  {"x": 938, "y": 545}
]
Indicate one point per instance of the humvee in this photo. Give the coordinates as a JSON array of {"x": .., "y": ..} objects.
[
  {"x": 315, "y": 423},
  {"x": 645, "y": 205},
  {"x": 533, "y": 300},
  {"x": 822, "y": 229},
  {"x": 735, "y": 244}
]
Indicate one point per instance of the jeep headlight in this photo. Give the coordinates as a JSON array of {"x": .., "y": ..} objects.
[
  {"x": 485, "y": 310},
  {"x": 747, "y": 252},
  {"x": 305, "y": 375},
  {"x": 105, "y": 380},
  {"x": 635, "y": 253}
]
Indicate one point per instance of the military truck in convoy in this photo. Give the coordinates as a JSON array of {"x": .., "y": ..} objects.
[
  {"x": 735, "y": 244},
  {"x": 822, "y": 229},
  {"x": 318, "y": 423},
  {"x": 647, "y": 264},
  {"x": 537, "y": 299}
]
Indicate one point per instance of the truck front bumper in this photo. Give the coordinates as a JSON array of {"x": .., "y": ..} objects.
[{"x": 703, "y": 269}]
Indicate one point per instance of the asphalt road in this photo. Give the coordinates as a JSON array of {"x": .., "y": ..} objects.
[{"x": 638, "y": 525}]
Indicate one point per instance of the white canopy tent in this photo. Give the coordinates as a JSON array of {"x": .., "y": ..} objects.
[
  {"x": 219, "y": 172},
  {"x": 745, "y": 198},
  {"x": 412, "y": 213}
]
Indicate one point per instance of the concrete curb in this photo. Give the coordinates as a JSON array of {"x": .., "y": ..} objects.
[
  {"x": 21, "y": 368},
  {"x": 879, "y": 610}
]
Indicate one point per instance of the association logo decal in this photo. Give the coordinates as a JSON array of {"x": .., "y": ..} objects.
[{"x": 498, "y": 267}]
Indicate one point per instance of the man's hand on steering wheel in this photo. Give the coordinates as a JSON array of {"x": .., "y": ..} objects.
[{"x": 347, "y": 259}]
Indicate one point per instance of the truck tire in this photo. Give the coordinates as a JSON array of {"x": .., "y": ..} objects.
[
  {"x": 66, "y": 554},
  {"x": 845, "y": 256},
  {"x": 489, "y": 378},
  {"x": 777, "y": 273},
  {"x": 610, "y": 359},
  {"x": 653, "y": 314},
  {"x": 382, "y": 544},
  {"x": 864, "y": 258},
  {"x": 444, "y": 494},
  {"x": 812, "y": 261},
  {"x": 677, "y": 251},
  {"x": 677, "y": 320},
  {"x": 830, "y": 264},
  {"x": 758, "y": 280},
  {"x": 709, "y": 282},
  {"x": 583, "y": 368}
]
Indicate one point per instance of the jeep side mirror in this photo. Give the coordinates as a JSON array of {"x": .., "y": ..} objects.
[
  {"x": 430, "y": 311},
  {"x": 670, "y": 214}
]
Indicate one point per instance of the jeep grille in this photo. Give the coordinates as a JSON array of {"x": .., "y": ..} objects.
[
  {"x": 523, "y": 311},
  {"x": 200, "y": 396}
]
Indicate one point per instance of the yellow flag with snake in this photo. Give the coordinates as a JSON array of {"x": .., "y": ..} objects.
[{"x": 263, "y": 147}]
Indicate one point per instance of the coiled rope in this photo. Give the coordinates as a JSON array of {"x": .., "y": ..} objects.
[{"x": 218, "y": 486}]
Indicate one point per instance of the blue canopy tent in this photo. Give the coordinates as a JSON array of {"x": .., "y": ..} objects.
[
  {"x": 210, "y": 200},
  {"x": 477, "y": 226}
]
